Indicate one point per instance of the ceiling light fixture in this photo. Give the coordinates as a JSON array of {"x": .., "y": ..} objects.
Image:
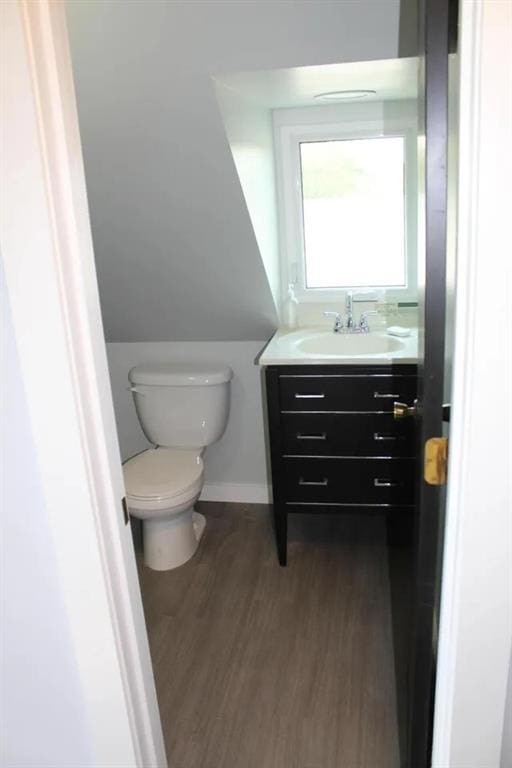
[{"x": 345, "y": 95}]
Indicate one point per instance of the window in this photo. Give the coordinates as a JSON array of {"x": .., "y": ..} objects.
[
  {"x": 346, "y": 220},
  {"x": 353, "y": 212}
]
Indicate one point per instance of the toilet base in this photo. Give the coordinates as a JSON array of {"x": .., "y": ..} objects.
[
  {"x": 170, "y": 541},
  {"x": 199, "y": 523}
]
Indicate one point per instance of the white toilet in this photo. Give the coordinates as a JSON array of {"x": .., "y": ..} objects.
[{"x": 182, "y": 408}]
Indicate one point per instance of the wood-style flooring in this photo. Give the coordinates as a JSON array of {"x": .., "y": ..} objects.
[{"x": 259, "y": 666}]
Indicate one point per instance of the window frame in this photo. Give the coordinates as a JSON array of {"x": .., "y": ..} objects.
[{"x": 295, "y": 126}]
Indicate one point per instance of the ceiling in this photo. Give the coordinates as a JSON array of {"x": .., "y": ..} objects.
[{"x": 392, "y": 79}]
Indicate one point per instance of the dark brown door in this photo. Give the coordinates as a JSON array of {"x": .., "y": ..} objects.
[{"x": 437, "y": 18}]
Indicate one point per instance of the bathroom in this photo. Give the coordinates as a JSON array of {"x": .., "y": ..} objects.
[
  {"x": 287, "y": 637},
  {"x": 187, "y": 114}
]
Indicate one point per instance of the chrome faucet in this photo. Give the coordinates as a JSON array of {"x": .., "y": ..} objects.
[
  {"x": 338, "y": 322},
  {"x": 362, "y": 326},
  {"x": 350, "y": 310}
]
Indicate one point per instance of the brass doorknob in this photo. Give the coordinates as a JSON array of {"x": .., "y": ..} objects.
[{"x": 402, "y": 410}]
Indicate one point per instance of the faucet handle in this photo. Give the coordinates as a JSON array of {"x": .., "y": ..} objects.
[
  {"x": 338, "y": 322},
  {"x": 363, "y": 321}
]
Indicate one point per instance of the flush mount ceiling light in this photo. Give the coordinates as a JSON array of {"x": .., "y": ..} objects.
[{"x": 345, "y": 95}]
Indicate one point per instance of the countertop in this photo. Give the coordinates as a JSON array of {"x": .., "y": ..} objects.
[{"x": 320, "y": 346}]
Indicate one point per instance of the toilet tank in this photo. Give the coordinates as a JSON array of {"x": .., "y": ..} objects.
[{"x": 181, "y": 405}]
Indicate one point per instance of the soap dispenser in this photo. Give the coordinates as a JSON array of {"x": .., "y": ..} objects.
[{"x": 290, "y": 308}]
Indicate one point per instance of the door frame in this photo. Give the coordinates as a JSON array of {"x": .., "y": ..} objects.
[
  {"x": 475, "y": 631},
  {"x": 53, "y": 295}
]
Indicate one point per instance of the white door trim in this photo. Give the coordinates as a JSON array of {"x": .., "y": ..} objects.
[
  {"x": 52, "y": 289},
  {"x": 476, "y": 605}
]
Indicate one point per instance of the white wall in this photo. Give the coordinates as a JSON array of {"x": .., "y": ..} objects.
[
  {"x": 251, "y": 139},
  {"x": 235, "y": 467},
  {"x": 44, "y": 722},
  {"x": 176, "y": 253},
  {"x": 506, "y": 742},
  {"x": 75, "y": 629}
]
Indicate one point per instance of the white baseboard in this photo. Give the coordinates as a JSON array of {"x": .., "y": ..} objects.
[{"x": 250, "y": 493}]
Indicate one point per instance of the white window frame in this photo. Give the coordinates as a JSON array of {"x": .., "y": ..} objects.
[{"x": 295, "y": 126}]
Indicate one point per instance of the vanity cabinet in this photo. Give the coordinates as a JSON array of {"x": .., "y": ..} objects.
[{"x": 334, "y": 444}]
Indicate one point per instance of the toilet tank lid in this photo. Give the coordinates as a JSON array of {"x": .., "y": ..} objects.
[{"x": 180, "y": 374}]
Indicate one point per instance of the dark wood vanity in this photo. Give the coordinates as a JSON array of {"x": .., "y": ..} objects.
[{"x": 335, "y": 446}]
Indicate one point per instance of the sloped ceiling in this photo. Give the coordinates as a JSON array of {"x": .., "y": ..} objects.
[
  {"x": 392, "y": 80},
  {"x": 176, "y": 254}
]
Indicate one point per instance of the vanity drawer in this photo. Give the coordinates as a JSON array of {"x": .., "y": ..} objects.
[
  {"x": 345, "y": 392},
  {"x": 346, "y": 434},
  {"x": 349, "y": 481}
]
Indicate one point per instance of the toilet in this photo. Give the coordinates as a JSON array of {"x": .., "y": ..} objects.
[{"x": 182, "y": 408}]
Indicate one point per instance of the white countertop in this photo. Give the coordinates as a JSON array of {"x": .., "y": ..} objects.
[{"x": 320, "y": 346}]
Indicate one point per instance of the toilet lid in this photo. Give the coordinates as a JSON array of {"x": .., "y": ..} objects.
[
  {"x": 162, "y": 473},
  {"x": 180, "y": 374}
]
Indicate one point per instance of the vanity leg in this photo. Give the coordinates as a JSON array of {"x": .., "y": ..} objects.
[
  {"x": 400, "y": 529},
  {"x": 281, "y": 531}
]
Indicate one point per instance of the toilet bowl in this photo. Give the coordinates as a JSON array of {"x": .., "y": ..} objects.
[
  {"x": 162, "y": 486},
  {"x": 182, "y": 409}
]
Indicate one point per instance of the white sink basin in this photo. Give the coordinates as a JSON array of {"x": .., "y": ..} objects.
[
  {"x": 318, "y": 345},
  {"x": 355, "y": 344}
]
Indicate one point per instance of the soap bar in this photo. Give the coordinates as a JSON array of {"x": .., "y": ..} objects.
[{"x": 399, "y": 330}]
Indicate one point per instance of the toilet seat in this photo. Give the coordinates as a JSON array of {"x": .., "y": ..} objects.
[{"x": 162, "y": 477}]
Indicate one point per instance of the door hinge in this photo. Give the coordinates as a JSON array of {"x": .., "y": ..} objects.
[
  {"x": 126, "y": 513},
  {"x": 436, "y": 460}
]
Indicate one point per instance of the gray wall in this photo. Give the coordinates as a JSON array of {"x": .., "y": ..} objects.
[{"x": 176, "y": 253}]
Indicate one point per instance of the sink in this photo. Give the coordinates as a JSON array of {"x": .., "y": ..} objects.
[
  {"x": 327, "y": 343},
  {"x": 317, "y": 345}
]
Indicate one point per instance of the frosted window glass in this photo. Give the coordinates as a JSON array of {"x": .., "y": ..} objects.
[{"x": 353, "y": 209}]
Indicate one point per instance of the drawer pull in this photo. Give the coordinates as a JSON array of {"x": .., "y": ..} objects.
[
  {"x": 323, "y": 482},
  {"x": 385, "y": 396},
  {"x": 313, "y": 397},
  {"x": 318, "y": 436},
  {"x": 378, "y": 483},
  {"x": 380, "y": 436}
]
